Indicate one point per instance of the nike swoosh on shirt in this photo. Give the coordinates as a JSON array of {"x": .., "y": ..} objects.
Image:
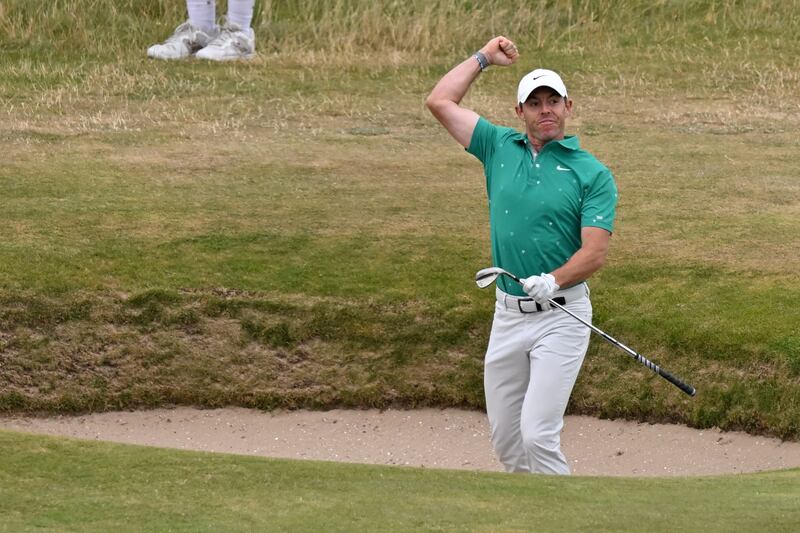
[{"x": 559, "y": 167}]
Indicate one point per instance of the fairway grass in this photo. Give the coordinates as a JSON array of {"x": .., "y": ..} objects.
[{"x": 63, "y": 484}]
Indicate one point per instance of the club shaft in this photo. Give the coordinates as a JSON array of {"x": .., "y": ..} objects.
[{"x": 685, "y": 387}]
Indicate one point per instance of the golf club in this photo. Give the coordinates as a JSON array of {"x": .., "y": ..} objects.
[{"x": 487, "y": 276}]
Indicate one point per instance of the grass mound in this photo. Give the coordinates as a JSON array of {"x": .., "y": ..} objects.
[{"x": 297, "y": 231}]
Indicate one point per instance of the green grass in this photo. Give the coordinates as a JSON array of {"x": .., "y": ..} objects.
[
  {"x": 67, "y": 485},
  {"x": 297, "y": 231}
]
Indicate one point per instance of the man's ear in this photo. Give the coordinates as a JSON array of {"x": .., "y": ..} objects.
[
  {"x": 518, "y": 109},
  {"x": 568, "y": 105}
]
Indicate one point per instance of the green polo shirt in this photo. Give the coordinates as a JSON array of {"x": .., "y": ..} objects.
[{"x": 537, "y": 207}]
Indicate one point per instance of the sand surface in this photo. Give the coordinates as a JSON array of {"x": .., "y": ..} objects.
[{"x": 430, "y": 438}]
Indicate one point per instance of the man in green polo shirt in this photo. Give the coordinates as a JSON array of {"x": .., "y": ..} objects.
[{"x": 551, "y": 214}]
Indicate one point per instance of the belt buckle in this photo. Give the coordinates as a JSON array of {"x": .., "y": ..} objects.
[
  {"x": 521, "y": 310},
  {"x": 539, "y": 308}
]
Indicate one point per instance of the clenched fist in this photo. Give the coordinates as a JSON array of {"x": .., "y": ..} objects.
[
  {"x": 500, "y": 51},
  {"x": 540, "y": 288}
]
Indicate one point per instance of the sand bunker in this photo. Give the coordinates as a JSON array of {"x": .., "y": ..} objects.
[{"x": 431, "y": 438}]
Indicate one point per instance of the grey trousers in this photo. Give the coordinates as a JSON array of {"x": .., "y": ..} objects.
[{"x": 531, "y": 365}]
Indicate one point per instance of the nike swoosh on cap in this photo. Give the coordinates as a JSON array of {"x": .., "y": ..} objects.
[{"x": 559, "y": 167}]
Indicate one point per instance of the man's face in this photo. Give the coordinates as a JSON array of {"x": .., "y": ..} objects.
[{"x": 545, "y": 115}]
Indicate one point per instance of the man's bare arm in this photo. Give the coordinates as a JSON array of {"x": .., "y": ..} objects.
[
  {"x": 445, "y": 98},
  {"x": 587, "y": 260}
]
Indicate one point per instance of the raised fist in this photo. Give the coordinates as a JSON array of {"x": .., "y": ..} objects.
[{"x": 500, "y": 51}]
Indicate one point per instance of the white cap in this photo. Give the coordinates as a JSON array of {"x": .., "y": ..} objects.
[{"x": 541, "y": 77}]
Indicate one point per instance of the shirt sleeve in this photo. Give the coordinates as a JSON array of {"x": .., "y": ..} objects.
[
  {"x": 483, "y": 141},
  {"x": 600, "y": 202}
]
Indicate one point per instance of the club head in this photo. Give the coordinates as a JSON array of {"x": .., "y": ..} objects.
[{"x": 487, "y": 276}]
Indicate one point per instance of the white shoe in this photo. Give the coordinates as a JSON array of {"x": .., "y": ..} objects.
[
  {"x": 233, "y": 42},
  {"x": 185, "y": 41}
]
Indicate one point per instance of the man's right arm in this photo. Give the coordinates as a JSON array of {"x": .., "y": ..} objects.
[{"x": 445, "y": 98}]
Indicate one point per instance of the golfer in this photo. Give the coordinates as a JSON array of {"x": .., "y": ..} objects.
[{"x": 551, "y": 213}]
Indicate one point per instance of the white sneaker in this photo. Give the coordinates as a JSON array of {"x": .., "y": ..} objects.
[
  {"x": 233, "y": 42},
  {"x": 185, "y": 41}
]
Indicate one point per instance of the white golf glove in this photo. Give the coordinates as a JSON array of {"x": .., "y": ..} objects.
[{"x": 540, "y": 288}]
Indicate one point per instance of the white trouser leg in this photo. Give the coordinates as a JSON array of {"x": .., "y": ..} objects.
[
  {"x": 555, "y": 361},
  {"x": 240, "y": 12},
  {"x": 505, "y": 380},
  {"x": 531, "y": 366},
  {"x": 202, "y": 13}
]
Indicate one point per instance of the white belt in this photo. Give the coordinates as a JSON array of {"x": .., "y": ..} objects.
[{"x": 524, "y": 304}]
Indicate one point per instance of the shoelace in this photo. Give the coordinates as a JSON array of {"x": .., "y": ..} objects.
[
  {"x": 181, "y": 32},
  {"x": 225, "y": 35},
  {"x": 228, "y": 35}
]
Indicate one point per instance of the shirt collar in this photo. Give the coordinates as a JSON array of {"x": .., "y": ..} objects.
[{"x": 570, "y": 142}]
